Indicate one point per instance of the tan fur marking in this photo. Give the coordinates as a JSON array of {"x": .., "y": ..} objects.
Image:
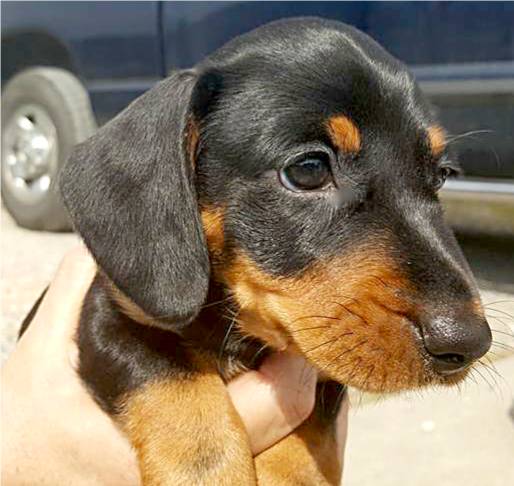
[
  {"x": 187, "y": 432},
  {"x": 436, "y": 139},
  {"x": 129, "y": 307},
  {"x": 212, "y": 219},
  {"x": 477, "y": 307},
  {"x": 344, "y": 134},
  {"x": 346, "y": 315},
  {"x": 307, "y": 456}
]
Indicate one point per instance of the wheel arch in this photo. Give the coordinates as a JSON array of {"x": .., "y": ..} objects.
[{"x": 24, "y": 49}]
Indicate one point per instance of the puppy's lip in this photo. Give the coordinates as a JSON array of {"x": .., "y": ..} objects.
[{"x": 450, "y": 372}]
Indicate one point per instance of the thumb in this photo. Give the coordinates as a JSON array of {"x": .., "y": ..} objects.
[
  {"x": 274, "y": 400},
  {"x": 60, "y": 309}
]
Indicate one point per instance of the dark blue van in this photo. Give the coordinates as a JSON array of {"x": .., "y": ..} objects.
[{"x": 68, "y": 67}]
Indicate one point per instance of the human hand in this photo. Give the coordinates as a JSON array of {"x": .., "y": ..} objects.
[{"x": 52, "y": 430}]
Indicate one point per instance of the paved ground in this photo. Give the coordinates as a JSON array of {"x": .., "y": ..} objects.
[{"x": 443, "y": 438}]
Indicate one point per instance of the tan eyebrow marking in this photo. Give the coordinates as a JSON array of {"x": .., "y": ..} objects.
[
  {"x": 344, "y": 134},
  {"x": 436, "y": 139}
]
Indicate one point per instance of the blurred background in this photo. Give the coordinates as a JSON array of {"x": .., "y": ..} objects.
[{"x": 69, "y": 67}]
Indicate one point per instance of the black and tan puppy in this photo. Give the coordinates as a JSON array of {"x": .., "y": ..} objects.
[{"x": 283, "y": 192}]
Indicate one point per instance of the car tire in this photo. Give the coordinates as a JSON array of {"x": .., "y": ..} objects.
[{"x": 45, "y": 112}]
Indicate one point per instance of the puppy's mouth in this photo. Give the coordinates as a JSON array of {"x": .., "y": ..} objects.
[{"x": 382, "y": 351}]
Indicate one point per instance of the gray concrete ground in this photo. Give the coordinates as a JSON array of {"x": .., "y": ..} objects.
[{"x": 445, "y": 437}]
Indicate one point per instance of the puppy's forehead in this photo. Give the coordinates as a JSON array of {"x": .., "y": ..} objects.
[{"x": 292, "y": 76}]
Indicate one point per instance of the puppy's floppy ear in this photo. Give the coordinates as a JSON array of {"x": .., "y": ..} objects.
[{"x": 130, "y": 192}]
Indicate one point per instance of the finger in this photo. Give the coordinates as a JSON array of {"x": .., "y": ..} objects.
[
  {"x": 274, "y": 400},
  {"x": 60, "y": 309},
  {"x": 342, "y": 426}
]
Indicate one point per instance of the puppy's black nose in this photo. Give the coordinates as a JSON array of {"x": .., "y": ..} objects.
[{"x": 455, "y": 342}]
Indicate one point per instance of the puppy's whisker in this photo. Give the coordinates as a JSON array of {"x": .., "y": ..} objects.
[
  {"x": 492, "y": 373},
  {"x": 506, "y": 301},
  {"x": 350, "y": 299},
  {"x": 472, "y": 376},
  {"x": 309, "y": 329},
  {"x": 351, "y": 375},
  {"x": 397, "y": 291},
  {"x": 491, "y": 387},
  {"x": 510, "y": 334},
  {"x": 212, "y": 304},
  {"x": 493, "y": 367},
  {"x": 454, "y": 138},
  {"x": 353, "y": 313},
  {"x": 258, "y": 353},
  {"x": 502, "y": 345},
  {"x": 368, "y": 376},
  {"x": 223, "y": 346},
  {"x": 500, "y": 320},
  {"x": 232, "y": 310},
  {"x": 330, "y": 363},
  {"x": 332, "y": 340},
  {"x": 349, "y": 350},
  {"x": 500, "y": 376},
  {"x": 317, "y": 317},
  {"x": 501, "y": 312}
]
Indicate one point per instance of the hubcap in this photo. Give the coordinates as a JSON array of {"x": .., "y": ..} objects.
[{"x": 29, "y": 153}]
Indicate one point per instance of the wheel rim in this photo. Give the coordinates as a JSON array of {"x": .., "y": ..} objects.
[{"x": 29, "y": 153}]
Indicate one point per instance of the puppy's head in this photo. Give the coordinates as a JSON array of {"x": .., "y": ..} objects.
[{"x": 298, "y": 165}]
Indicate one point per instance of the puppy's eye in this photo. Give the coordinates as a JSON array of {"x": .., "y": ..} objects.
[
  {"x": 308, "y": 174},
  {"x": 445, "y": 172}
]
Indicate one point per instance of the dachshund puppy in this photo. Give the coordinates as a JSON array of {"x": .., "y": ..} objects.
[{"x": 282, "y": 193}]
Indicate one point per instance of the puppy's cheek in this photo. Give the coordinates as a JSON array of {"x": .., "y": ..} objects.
[
  {"x": 258, "y": 314},
  {"x": 361, "y": 341},
  {"x": 345, "y": 316}
]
